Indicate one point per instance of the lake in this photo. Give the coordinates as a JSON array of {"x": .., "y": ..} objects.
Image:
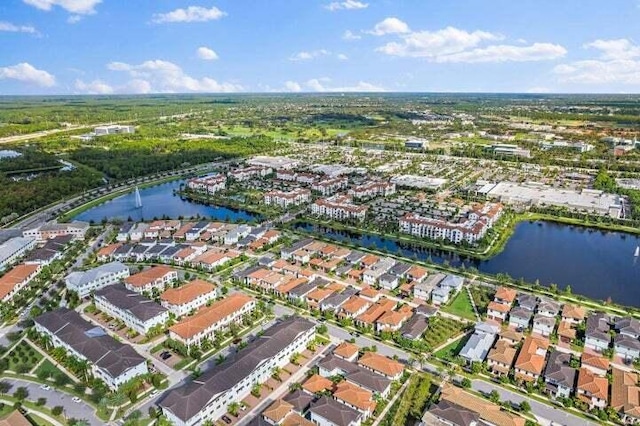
[
  {"x": 159, "y": 201},
  {"x": 596, "y": 264}
]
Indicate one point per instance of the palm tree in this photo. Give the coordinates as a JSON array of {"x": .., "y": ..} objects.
[{"x": 233, "y": 409}]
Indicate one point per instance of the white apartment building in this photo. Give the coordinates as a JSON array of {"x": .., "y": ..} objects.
[
  {"x": 189, "y": 297},
  {"x": 330, "y": 186},
  {"x": 210, "y": 184},
  {"x": 49, "y": 230},
  {"x": 136, "y": 311},
  {"x": 110, "y": 360},
  {"x": 208, "y": 397},
  {"x": 338, "y": 208},
  {"x": 13, "y": 249},
  {"x": 373, "y": 189},
  {"x": 250, "y": 172},
  {"x": 211, "y": 319},
  {"x": 85, "y": 282},
  {"x": 286, "y": 199}
]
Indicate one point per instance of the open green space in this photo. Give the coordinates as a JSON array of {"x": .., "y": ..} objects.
[
  {"x": 440, "y": 330},
  {"x": 449, "y": 352},
  {"x": 22, "y": 358},
  {"x": 461, "y": 306}
]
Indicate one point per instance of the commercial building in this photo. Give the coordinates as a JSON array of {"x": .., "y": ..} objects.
[
  {"x": 85, "y": 282},
  {"x": 509, "y": 150},
  {"x": 109, "y": 360},
  {"x": 76, "y": 229},
  {"x": 189, "y": 297},
  {"x": 136, "y": 311},
  {"x": 208, "y": 397},
  {"x": 211, "y": 319},
  {"x": 418, "y": 182}
]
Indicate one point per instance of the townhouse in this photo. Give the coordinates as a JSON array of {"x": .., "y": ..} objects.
[
  {"x": 355, "y": 397},
  {"x": 381, "y": 365},
  {"x": 369, "y": 317},
  {"x": 13, "y": 249},
  {"x": 214, "y": 258},
  {"x": 189, "y": 297},
  {"x": 286, "y": 199},
  {"x": 208, "y": 397},
  {"x": 592, "y": 389},
  {"x": 281, "y": 412},
  {"x": 16, "y": 279},
  {"x": 158, "y": 277},
  {"x": 212, "y": 319},
  {"x": 326, "y": 411},
  {"x": 531, "y": 360},
  {"x": 51, "y": 250},
  {"x": 94, "y": 279},
  {"x": 136, "y": 311},
  {"x": 332, "y": 365},
  {"x": 109, "y": 360},
  {"x": 339, "y": 208}
]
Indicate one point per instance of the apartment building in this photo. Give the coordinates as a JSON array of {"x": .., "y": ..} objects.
[
  {"x": 208, "y": 397},
  {"x": 330, "y": 186},
  {"x": 16, "y": 279},
  {"x": 338, "y": 208},
  {"x": 14, "y": 249},
  {"x": 373, "y": 189},
  {"x": 84, "y": 282},
  {"x": 284, "y": 199},
  {"x": 250, "y": 172},
  {"x": 211, "y": 319},
  {"x": 189, "y": 297},
  {"x": 157, "y": 277},
  {"x": 209, "y": 184},
  {"x": 136, "y": 311},
  {"x": 111, "y": 361}
]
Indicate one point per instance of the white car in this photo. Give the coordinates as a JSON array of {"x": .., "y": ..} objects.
[
  {"x": 154, "y": 392},
  {"x": 76, "y": 399},
  {"x": 45, "y": 387}
]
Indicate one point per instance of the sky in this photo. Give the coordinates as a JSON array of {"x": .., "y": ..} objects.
[{"x": 52, "y": 47}]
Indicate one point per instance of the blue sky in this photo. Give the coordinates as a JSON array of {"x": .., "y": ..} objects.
[{"x": 153, "y": 46}]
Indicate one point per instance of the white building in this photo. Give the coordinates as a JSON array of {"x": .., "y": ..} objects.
[
  {"x": 113, "y": 129},
  {"x": 250, "y": 172},
  {"x": 85, "y": 282},
  {"x": 189, "y": 297},
  {"x": 136, "y": 311},
  {"x": 209, "y": 397},
  {"x": 49, "y": 230},
  {"x": 373, "y": 189},
  {"x": 210, "y": 184},
  {"x": 286, "y": 199},
  {"x": 109, "y": 360},
  {"x": 330, "y": 186},
  {"x": 155, "y": 277},
  {"x": 13, "y": 249},
  {"x": 338, "y": 208}
]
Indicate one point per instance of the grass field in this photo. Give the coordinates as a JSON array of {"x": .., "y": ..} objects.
[
  {"x": 440, "y": 329},
  {"x": 23, "y": 354},
  {"x": 449, "y": 352},
  {"x": 461, "y": 306},
  {"x": 49, "y": 368}
]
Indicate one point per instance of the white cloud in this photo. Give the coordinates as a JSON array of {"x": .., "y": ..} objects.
[
  {"x": 390, "y": 26},
  {"x": 618, "y": 63},
  {"x": 73, "y": 19},
  {"x": 292, "y": 86},
  {"x": 347, "y": 4},
  {"x": 165, "y": 76},
  {"x": 137, "y": 86},
  {"x": 431, "y": 44},
  {"x": 190, "y": 14},
  {"x": 79, "y": 7},
  {"x": 207, "y": 54},
  {"x": 12, "y": 28},
  {"x": 506, "y": 53},
  {"x": 342, "y": 57},
  {"x": 27, "y": 73},
  {"x": 452, "y": 44},
  {"x": 350, "y": 35},
  {"x": 95, "y": 87},
  {"x": 538, "y": 89},
  {"x": 308, "y": 55},
  {"x": 322, "y": 85}
]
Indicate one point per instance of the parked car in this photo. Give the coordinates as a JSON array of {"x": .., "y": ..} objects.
[
  {"x": 76, "y": 399},
  {"x": 226, "y": 419},
  {"x": 45, "y": 387}
]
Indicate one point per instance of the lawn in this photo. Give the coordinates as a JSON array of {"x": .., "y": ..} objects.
[
  {"x": 461, "y": 306},
  {"x": 449, "y": 352},
  {"x": 48, "y": 368},
  {"x": 23, "y": 357},
  {"x": 440, "y": 329},
  {"x": 481, "y": 296}
]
